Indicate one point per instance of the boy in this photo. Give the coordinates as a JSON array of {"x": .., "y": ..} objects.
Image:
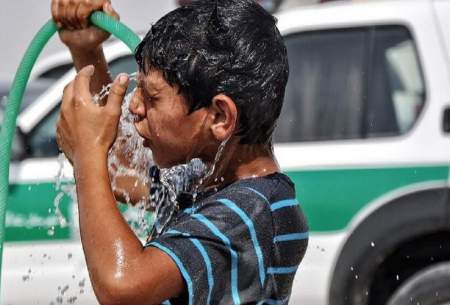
[{"x": 211, "y": 76}]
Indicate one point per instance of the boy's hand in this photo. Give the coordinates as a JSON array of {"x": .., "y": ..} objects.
[
  {"x": 76, "y": 32},
  {"x": 86, "y": 131}
]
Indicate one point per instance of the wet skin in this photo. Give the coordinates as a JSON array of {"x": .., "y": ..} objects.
[
  {"x": 173, "y": 135},
  {"x": 114, "y": 255},
  {"x": 121, "y": 270}
]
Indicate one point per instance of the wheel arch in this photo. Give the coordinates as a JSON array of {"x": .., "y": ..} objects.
[{"x": 373, "y": 234}]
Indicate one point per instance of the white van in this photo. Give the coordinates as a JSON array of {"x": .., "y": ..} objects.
[{"x": 364, "y": 134}]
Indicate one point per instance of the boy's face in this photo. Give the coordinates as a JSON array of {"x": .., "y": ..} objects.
[{"x": 163, "y": 121}]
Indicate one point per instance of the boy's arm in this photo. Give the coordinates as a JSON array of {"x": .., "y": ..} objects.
[
  {"x": 122, "y": 271},
  {"x": 84, "y": 42}
]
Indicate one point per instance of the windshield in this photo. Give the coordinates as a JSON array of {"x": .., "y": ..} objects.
[{"x": 33, "y": 91}]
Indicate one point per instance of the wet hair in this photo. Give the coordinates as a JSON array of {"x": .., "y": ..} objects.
[{"x": 228, "y": 46}]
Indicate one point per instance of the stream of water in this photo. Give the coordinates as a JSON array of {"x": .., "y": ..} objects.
[{"x": 128, "y": 158}]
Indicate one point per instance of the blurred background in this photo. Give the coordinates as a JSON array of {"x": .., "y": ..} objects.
[{"x": 364, "y": 134}]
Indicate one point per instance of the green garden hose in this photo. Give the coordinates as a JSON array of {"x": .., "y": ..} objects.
[{"x": 8, "y": 126}]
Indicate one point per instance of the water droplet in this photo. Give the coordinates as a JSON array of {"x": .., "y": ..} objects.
[
  {"x": 397, "y": 277},
  {"x": 82, "y": 283},
  {"x": 64, "y": 290},
  {"x": 356, "y": 276},
  {"x": 372, "y": 244},
  {"x": 351, "y": 268}
]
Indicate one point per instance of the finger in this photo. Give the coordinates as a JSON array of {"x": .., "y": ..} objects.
[
  {"x": 73, "y": 15},
  {"x": 67, "y": 99},
  {"x": 117, "y": 93},
  {"x": 61, "y": 126},
  {"x": 108, "y": 9},
  {"x": 67, "y": 12},
  {"x": 81, "y": 85},
  {"x": 61, "y": 136},
  {"x": 58, "y": 134},
  {"x": 56, "y": 12},
  {"x": 83, "y": 13}
]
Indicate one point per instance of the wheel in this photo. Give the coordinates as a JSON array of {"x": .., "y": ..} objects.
[{"x": 431, "y": 286}]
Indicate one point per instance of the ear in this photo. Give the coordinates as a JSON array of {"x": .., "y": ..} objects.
[{"x": 224, "y": 115}]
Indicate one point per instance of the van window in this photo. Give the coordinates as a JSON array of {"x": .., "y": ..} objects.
[
  {"x": 350, "y": 84},
  {"x": 395, "y": 87},
  {"x": 41, "y": 141}
]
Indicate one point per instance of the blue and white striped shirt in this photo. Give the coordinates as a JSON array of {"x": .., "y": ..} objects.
[{"x": 240, "y": 245}]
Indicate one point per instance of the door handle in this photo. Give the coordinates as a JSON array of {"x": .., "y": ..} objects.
[{"x": 446, "y": 120}]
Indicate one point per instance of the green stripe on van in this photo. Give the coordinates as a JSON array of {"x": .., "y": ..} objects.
[
  {"x": 30, "y": 213},
  {"x": 331, "y": 198}
]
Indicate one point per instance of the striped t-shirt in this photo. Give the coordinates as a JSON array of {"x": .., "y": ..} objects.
[{"x": 240, "y": 245}]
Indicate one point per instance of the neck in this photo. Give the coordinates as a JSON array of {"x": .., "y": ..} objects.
[{"x": 241, "y": 161}]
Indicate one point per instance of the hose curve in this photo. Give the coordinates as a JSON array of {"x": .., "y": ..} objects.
[{"x": 7, "y": 129}]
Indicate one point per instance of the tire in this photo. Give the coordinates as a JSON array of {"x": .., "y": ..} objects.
[{"x": 431, "y": 286}]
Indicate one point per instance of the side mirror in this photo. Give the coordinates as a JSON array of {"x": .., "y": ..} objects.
[{"x": 18, "y": 150}]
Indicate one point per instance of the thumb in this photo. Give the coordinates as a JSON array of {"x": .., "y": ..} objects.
[
  {"x": 117, "y": 92},
  {"x": 108, "y": 9}
]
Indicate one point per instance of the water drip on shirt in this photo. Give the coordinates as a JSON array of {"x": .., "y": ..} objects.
[{"x": 184, "y": 179}]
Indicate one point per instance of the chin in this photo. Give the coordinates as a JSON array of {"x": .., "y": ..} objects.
[
  {"x": 165, "y": 162},
  {"x": 162, "y": 162}
]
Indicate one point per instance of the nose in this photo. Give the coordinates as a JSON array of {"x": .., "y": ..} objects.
[{"x": 137, "y": 106}]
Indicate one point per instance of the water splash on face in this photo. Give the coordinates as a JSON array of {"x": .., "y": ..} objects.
[
  {"x": 171, "y": 184},
  {"x": 98, "y": 98},
  {"x": 129, "y": 158},
  {"x": 166, "y": 186},
  {"x": 126, "y": 158}
]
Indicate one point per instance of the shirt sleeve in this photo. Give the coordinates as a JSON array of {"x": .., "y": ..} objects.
[{"x": 221, "y": 249}]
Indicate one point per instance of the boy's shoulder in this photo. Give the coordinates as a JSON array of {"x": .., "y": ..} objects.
[
  {"x": 251, "y": 202},
  {"x": 258, "y": 190}
]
